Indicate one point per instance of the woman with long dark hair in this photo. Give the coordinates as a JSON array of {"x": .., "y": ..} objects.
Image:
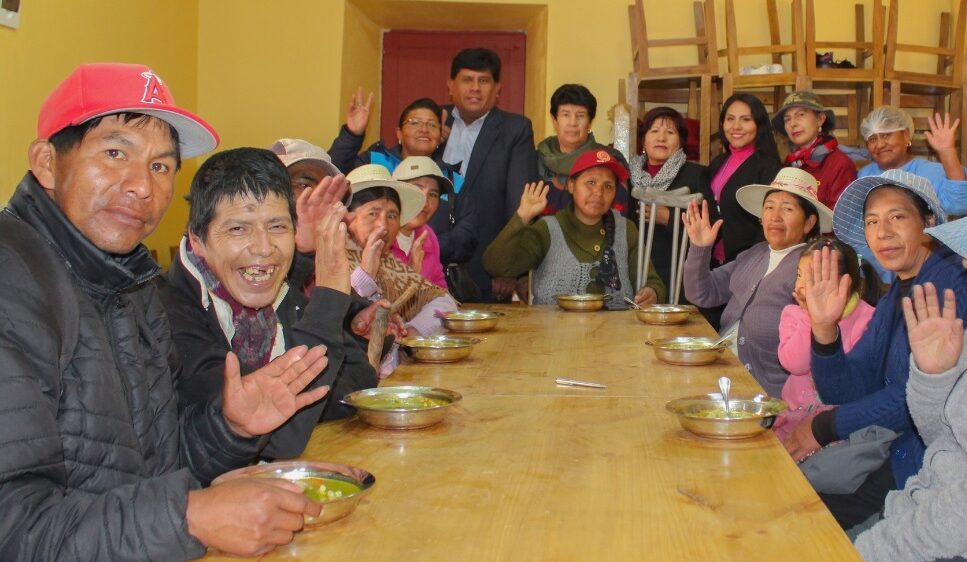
[{"x": 750, "y": 157}]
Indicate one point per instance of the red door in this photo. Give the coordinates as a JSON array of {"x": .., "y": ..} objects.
[{"x": 416, "y": 64}]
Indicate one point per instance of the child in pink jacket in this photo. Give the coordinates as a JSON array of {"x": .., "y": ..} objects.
[
  {"x": 799, "y": 391},
  {"x": 417, "y": 244}
]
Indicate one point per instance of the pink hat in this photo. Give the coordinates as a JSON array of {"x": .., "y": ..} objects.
[{"x": 95, "y": 90}]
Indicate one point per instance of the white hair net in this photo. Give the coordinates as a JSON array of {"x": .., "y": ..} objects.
[{"x": 886, "y": 119}]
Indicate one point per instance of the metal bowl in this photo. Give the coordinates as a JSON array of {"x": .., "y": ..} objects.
[
  {"x": 584, "y": 302},
  {"x": 471, "y": 320},
  {"x": 376, "y": 406},
  {"x": 705, "y": 415},
  {"x": 663, "y": 314},
  {"x": 687, "y": 350},
  {"x": 438, "y": 349},
  {"x": 354, "y": 483}
]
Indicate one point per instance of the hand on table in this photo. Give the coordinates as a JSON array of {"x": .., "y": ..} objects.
[
  {"x": 936, "y": 337},
  {"x": 261, "y": 401},
  {"x": 503, "y": 288},
  {"x": 249, "y": 516}
]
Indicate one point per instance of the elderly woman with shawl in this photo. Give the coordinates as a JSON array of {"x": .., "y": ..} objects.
[
  {"x": 662, "y": 166},
  {"x": 380, "y": 205}
]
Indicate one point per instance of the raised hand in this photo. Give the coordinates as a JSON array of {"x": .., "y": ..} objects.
[
  {"x": 826, "y": 295},
  {"x": 444, "y": 128},
  {"x": 942, "y": 134},
  {"x": 313, "y": 205},
  {"x": 332, "y": 261},
  {"x": 249, "y": 516},
  {"x": 646, "y": 296},
  {"x": 700, "y": 232},
  {"x": 260, "y": 402},
  {"x": 373, "y": 252},
  {"x": 357, "y": 117},
  {"x": 417, "y": 253},
  {"x": 532, "y": 201},
  {"x": 936, "y": 337},
  {"x": 363, "y": 321}
]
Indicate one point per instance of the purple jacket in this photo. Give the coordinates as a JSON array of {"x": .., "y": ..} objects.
[{"x": 755, "y": 300}]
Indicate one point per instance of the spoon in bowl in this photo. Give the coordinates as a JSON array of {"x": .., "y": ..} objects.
[
  {"x": 633, "y": 304},
  {"x": 725, "y": 384}
]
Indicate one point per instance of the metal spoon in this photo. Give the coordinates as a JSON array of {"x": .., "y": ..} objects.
[
  {"x": 633, "y": 304},
  {"x": 723, "y": 339},
  {"x": 725, "y": 384}
]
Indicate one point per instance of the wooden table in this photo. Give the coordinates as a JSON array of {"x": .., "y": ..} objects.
[{"x": 525, "y": 470}]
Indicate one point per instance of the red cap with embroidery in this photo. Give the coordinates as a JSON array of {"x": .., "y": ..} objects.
[
  {"x": 95, "y": 90},
  {"x": 599, "y": 157}
]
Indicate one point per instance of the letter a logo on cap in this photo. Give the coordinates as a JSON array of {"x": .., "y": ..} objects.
[{"x": 154, "y": 91}]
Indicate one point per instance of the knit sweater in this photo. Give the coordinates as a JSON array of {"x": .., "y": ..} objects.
[
  {"x": 519, "y": 248},
  {"x": 754, "y": 299},
  {"x": 869, "y": 382},
  {"x": 925, "y": 520}
]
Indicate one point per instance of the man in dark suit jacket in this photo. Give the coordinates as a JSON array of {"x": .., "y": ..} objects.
[{"x": 495, "y": 151}]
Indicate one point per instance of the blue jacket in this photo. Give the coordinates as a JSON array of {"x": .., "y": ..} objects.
[
  {"x": 869, "y": 383},
  {"x": 455, "y": 222}
]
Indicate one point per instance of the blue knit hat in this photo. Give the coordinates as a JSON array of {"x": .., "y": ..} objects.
[{"x": 848, "y": 215}]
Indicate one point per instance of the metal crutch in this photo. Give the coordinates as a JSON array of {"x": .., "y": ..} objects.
[{"x": 677, "y": 199}]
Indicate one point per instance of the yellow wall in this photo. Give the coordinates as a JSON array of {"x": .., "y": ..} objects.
[
  {"x": 56, "y": 35},
  {"x": 258, "y": 71}
]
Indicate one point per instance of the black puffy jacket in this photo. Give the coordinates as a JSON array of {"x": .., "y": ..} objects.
[{"x": 95, "y": 460}]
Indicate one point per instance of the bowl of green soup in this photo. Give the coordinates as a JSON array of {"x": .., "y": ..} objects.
[
  {"x": 339, "y": 488},
  {"x": 402, "y": 407},
  {"x": 706, "y": 415}
]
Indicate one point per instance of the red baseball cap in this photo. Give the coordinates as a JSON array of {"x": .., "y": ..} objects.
[
  {"x": 95, "y": 90},
  {"x": 599, "y": 157}
]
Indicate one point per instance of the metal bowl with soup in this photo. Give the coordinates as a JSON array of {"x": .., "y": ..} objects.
[
  {"x": 687, "y": 350},
  {"x": 471, "y": 320},
  {"x": 663, "y": 314},
  {"x": 582, "y": 302},
  {"x": 438, "y": 349},
  {"x": 402, "y": 407},
  {"x": 706, "y": 416},
  {"x": 338, "y": 487}
]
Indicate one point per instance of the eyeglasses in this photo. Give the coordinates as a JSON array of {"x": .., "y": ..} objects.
[{"x": 420, "y": 123}]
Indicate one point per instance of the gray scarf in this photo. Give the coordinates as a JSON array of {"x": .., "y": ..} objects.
[{"x": 641, "y": 179}]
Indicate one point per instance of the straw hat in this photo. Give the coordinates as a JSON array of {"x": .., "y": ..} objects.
[
  {"x": 790, "y": 180},
  {"x": 374, "y": 175},
  {"x": 414, "y": 167},
  {"x": 291, "y": 151}
]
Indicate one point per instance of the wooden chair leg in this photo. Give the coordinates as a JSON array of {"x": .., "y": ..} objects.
[
  {"x": 894, "y": 93},
  {"x": 705, "y": 119}
]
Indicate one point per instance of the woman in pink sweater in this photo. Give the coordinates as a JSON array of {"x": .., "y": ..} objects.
[
  {"x": 417, "y": 244},
  {"x": 799, "y": 390}
]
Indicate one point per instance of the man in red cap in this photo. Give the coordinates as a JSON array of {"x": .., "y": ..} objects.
[{"x": 97, "y": 460}]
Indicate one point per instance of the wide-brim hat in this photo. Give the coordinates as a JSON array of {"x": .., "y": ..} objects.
[
  {"x": 291, "y": 151},
  {"x": 374, "y": 175},
  {"x": 598, "y": 157},
  {"x": 791, "y": 180},
  {"x": 849, "y": 214},
  {"x": 100, "y": 89},
  {"x": 807, "y": 100},
  {"x": 951, "y": 234},
  {"x": 414, "y": 167}
]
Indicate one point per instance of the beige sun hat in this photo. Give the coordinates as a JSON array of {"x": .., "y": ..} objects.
[
  {"x": 790, "y": 180},
  {"x": 291, "y": 151},
  {"x": 374, "y": 175},
  {"x": 413, "y": 167}
]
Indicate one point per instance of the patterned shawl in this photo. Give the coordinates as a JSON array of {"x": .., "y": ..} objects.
[{"x": 394, "y": 277}]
